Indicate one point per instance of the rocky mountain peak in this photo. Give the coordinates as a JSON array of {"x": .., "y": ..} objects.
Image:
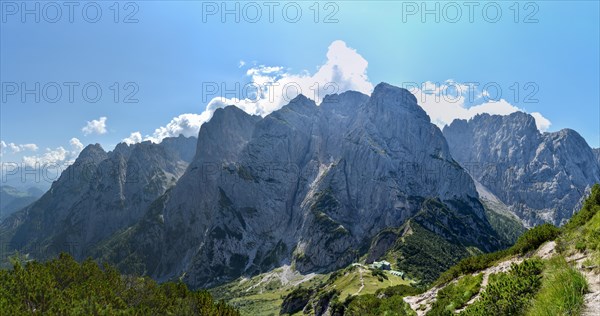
[
  {"x": 390, "y": 105},
  {"x": 541, "y": 177},
  {"x": 308, "y": 185},
  {"x": 346, "y": 103},
  {"x": 390, "y": 93},
  {"x": 97, "y": 195},
  {"x": 93, "y": 152}
]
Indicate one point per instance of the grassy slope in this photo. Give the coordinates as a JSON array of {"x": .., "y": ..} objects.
[
  {"x": 263, "y": 294},
  {"x": 561, "y": 290},
  {"x": 456, "y": 295},
  {"x": 506, "y": 225},
  {"x": 423, "y": 254},
  {"x": 349, "y": 283},
  {"x": 556, "y": 288}
]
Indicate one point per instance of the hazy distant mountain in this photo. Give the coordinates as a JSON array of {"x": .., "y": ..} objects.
[
  {"x": 540, "y": 177},
  {"x": 13, "y": 199},
  {"x": 97, "y": 195},
  {"x": 307, "y": 185}
]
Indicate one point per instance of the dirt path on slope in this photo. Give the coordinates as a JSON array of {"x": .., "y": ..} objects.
[
  {"x": 591, "y": 300},
  {"x": 362, "y": 281},
  {"x": 426, "y": 299}
]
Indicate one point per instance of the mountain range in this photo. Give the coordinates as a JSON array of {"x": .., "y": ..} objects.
[
  {"x": 13, "y": 199},
  {"x": 315, "y": 187},
  {"x": 541, "y": 177}
]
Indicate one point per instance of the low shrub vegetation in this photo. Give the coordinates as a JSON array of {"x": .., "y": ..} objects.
[
  {"x": 561, "y": 292},
  {"x": 371, "y": 305},
  {"x": 530, "y": 240},
  {"x": 509, "y": 293},
  {"x": 456, "y": 295},
  {"x": 64, "y": 287},
  {"x": 590, "y": 207}
]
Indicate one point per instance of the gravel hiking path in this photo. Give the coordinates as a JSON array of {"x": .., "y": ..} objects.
[{"x": 426, "y": 299}]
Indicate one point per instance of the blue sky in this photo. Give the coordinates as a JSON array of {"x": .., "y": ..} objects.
[{"x": 175, "y": 50}]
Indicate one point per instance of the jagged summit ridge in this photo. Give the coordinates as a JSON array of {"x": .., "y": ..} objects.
[
  {"x": 96, "y": 196},
  {"x": 541, "y": 177},
  {"x": 308, "y": 185}
]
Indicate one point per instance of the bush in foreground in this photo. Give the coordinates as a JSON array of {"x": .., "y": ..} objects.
[
  {"x": 509, "y": 293},
  {"x": 561, "y": 292},
  {"x": 64, "y": 287},
  {"x": 456, "y": 295},
  {"x": 530, "y": 240}
]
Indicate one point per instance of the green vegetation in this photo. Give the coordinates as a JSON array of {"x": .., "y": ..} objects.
[
  {"x": 64, "y": 287},
  {"x": 387, "y": 301},
  {"x": 456, "y": 295},
  {"x": 506, "y": 225},
  {"x": 439, "y": 235},
  {"x": 358, "y": 280},
  {"x": 582, "y": 232},
  {"x": 534, "y": 238},
  {"x": 264, "y": 294},
  {"x": 401, "y": 290},
  {"x": 296, "y": 300},
  {"x": 423, "y": 255},
  {"x": 351, "y": 291},
  {"x": 561, "y": 292},
  {"x": 509, "y": 293},
  {"x": 590, "y": 208},
  {"x": 530, "y": 240},
  {"x": 536, "y": 287},
  {"x": 369, "y": 304}
]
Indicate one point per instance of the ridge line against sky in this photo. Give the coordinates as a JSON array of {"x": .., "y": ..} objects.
[{"x": 171, "y": 78}]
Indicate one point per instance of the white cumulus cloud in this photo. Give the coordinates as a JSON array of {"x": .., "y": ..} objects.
[
  {"x": 95, "y": 127},
  {"x": 17, "y": 148},
  {"x": 58, "y": 156},
  {"x": 187, "y": 124},
  {"x": 76, "y": 144},
  {"x": 271, "y": 87},
  {"x": 134, "y": 138},
  {"x": 450, "y": 100},
  {"x": 542, "y": 123}
]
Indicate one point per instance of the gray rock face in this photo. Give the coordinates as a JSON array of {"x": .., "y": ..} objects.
[
  {"x": 540, "y": 177},
  {"x": 98, "y": 195},
  {"x": 307, "y": 185}
]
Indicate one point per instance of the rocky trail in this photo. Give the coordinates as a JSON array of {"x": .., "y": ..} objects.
[
  {"x": 422, "y": 303},
  {"x": 591, "y": 299},
  {"x": 362, "y": 281}
]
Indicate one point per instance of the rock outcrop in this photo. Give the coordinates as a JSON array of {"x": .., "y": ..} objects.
[
  {"x": 540, "y": 177},
  {"x": 306, "y": 185},
  {"x": 96, "y": 196}
]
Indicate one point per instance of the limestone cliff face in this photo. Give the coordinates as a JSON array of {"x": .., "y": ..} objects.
[
  {"x": 540, "y": 177},
  {"x": 99, "y": 194},
  {"x": 307, "y": 185}
]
